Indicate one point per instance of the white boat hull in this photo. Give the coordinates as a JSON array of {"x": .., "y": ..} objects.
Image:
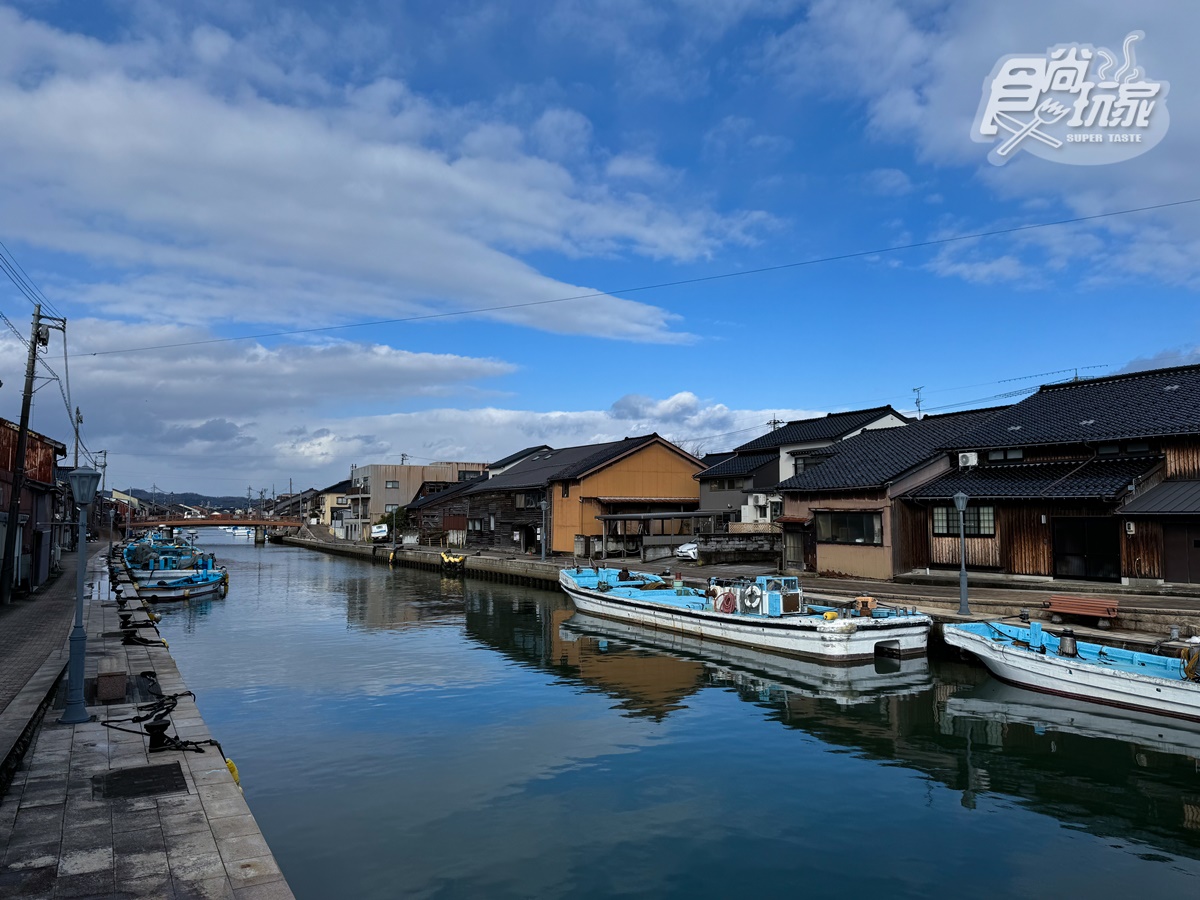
[
  {"x": 837, "y": 640},
  {"x": 1066, "y": 677},
  {"x": 151, "y": 576}
]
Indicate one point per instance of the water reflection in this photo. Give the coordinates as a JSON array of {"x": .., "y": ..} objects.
[
  {"x": 1102, "y": 770},
  {"x": 404, "y": 734}
]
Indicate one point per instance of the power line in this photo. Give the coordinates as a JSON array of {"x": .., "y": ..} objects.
[
  {"x": 857, "y": 254},
  {"x": 39, "y": 297}
]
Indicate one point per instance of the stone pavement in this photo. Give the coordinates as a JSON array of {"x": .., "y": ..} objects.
[{"x": 63, "y": 830}]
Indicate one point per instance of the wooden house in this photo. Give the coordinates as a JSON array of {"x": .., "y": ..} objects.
[
  {"x": 42, "y": 522},
  {"x": 740, "y": 488},
  {"x": 641, "y": 475},
  {"x": 842, "y": 513},
  {"x": 1095, "y": 479}
]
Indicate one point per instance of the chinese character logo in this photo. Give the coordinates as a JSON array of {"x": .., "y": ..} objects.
[{"x": 1069, "y": 106}]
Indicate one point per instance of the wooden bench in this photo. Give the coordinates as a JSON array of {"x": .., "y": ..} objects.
[{"x": 1104, "y": 611}]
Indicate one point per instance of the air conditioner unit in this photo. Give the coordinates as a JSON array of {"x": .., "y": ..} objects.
[
  {"x": 968, "y": 460},
  {"x": 758, "y": 499}
]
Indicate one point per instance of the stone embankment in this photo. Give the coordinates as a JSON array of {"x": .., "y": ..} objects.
[{"x": 1145, "y": 619}]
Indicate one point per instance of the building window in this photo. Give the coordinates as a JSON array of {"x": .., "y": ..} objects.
[
  {"x": 978, "y": 521},
  {"x": 1137, "y": 447},
  {"x": 468, "y": 474},
  {"x": 1109, "y": 449},
  {"x": 776, "y": 509},
  {"x": 391, "y": 484},
  {"x": 849, "y": 528},
  {"x": 391, "y": 507},
  {"x": 726, "y": 484},
  {"x": 343, "y": 501},
  {"x": 1001, "y": 455},
  {"x": 475, "y": 525},
  {"x": 566, "y": 489}
]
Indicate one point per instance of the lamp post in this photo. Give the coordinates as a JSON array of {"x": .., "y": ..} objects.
[
  {"x": 545, "y": 505},
  {"x": 83, "y": 489},
  {"x": 960, "y": 503}
]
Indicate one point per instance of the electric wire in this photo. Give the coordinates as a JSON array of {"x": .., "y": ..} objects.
[
  {"x": 37, "y": 291},
  {"x": 702, "y": 279}
]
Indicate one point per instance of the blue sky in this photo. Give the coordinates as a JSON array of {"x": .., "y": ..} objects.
[{"x": 178, "y": 173}]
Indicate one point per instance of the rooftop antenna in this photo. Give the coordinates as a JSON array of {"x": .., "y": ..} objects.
[
  {"x": 775, "y": 423},
  {"x": 917, "y": 391}
]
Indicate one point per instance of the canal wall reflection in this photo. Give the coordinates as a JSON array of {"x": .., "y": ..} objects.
[{"x": 1092, "y": 769}]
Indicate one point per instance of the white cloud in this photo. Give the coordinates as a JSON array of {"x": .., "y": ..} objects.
[
  {"x": 372, "y": 192},
  {"x": 918, "y": 69}
]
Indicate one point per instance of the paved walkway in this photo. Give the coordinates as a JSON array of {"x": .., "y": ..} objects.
[{"x": 63, "y": 833}]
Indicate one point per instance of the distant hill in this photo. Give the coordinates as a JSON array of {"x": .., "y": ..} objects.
[{"x": 189, "y": 498}]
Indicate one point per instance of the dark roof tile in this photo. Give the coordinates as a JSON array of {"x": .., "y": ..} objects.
[
  {"x": 741, "y": 464},
  {"x": 519, "y": 455},
  {"x": 880, "y": 455},
  {"x": 1103, "y": 479},
  {"x": 1155, "y": 403},
  {"x": 823, "y": 428}
]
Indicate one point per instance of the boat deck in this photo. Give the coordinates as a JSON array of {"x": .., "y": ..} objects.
[{"x": 1132, "y": 662}]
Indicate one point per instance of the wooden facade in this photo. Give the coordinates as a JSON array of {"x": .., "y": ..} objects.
[
  {"x": 649, "y": 479},
  {"x": 41, "y": 534}
]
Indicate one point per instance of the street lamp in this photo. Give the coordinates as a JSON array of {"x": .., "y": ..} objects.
[
  {"x": 83, "y": 489},
  {"x": 545, "y": 505},
  {"x": 960, "y": 503}
]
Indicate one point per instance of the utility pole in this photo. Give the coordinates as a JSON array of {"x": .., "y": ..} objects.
[
  {"x": 403, "y": 458},
  {"x": 775, "y": 423},
  {"x": 917, "y": 391},
  {"x": 39, "y": 337},
  {"x": 78, "y": 422}
]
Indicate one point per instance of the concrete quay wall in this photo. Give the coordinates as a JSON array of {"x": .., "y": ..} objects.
[{"x": 1140, "y": 625}]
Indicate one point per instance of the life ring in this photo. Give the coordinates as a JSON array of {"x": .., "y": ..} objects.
[
  {"x": 728, "y": 603},
  {"x": 752, "y": 597}
]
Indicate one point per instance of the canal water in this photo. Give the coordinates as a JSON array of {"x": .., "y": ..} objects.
[{"x": 400, "y": 734}]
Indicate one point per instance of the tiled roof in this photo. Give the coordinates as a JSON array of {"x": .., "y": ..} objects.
[
  {"x": 1102, "y": 479},
  {"x": 880, "y": 455},
  {"x": 438, "y": 496},
  {"x": 741, "y": 464},
  {"x": 520, "y": 454},
  {"x": 342, "y": 487},
  {"x": 603, "y": 453},
  {"x": 538, "y": 470},
  {"x": 823, "y": 428},
  {"x": 1155, "y": 403},
  {"x": 1171, "y": 498}
]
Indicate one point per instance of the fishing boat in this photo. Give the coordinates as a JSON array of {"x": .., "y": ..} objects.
[
  {"x": 846, "y": 685},
  {"x": 192, "y": 587},
  {"x": 1032, "y": 658},
  {"x": 453, "y": 565},
  {"x": 768, "y": 612},
  {"x": 155, "y": 561}
]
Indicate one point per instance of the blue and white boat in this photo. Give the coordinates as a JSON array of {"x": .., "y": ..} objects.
[
  {"x": 157, "y": 561},
  {"x": 191, "y": 587},
  {"x": 847, "y": 685},
  {"x": 767, "y": 612},
  {"x": 1035, "y": 659}
]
